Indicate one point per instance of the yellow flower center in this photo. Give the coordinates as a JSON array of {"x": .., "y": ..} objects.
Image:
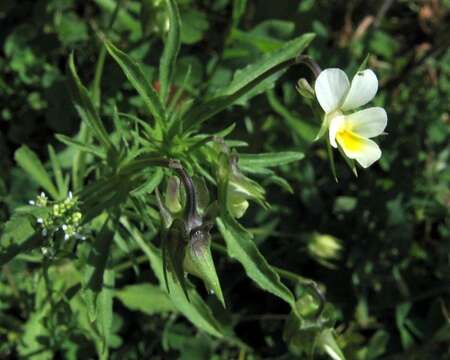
[{"x": 349, "y": 140}]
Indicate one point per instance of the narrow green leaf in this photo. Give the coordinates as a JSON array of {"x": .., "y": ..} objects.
[
  {"x": 93, "y": 282},
  {"x": 79, "y": 159},
  {"x": 137, "y": 78},
  {"x": 148, "y": 298},
  {"x": 281, "y": 183},
  {"x": 269, "y": 159},
  {"x": 57, "y": 171},
  {"x": 33, "y": 333},
  {"x": 247, "y": 79},
  {"x": 195, "y": 310},
  {"x": 18, "y": 237},
  {"x": 30, "y": 163},
  {"x": 302, "y": 129},
  {"x": 96, "y": 84},
  {"x": 150, "y": 185},
  {"x": 241, "y": 247},
  {"x": 171, "y": 48},
  {"x": 18, "y": 234},
  {"x": 246, "y": 76},
  {"x": 125, "y": 18},
  {"x": 91, "y": 149},
  {"x": 331, "y": 159},
  {"x": 104, "y": 309},
  {"x": 85, "y": 106},
  {"x": 239, "y": 7}
]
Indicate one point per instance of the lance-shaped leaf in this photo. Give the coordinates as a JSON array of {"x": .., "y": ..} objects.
[
  {"x": 94, "y": 276},
  {"x": 18, "y": 237},
  {"x": 171, "y": 48},
  {"x": 147, "y": 298},
  {"x": 61, "y": 182},
  {"x": 138, "y": 79},
  {"x": 195, "y": 310},
  {"x": 31, "y": 164},
  {"x": 104, "y": 308},
  {"x": 84, "y": 147},
  {"x": 241, "y": 247},
  {"x": 304, "y": 131},
  {"x": 85, "y": 106},
  {"x": 247, "y": 79},
  {"x": 264, "y": 160}
]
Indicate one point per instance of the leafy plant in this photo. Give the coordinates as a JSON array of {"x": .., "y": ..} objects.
[{"x": 181, "y": 200}]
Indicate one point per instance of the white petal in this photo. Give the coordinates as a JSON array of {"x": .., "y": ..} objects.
[
  {"x": 330, "y": 87},
  {"x": 364, "y": 151},
  {"x": 368, "y": 122},
  {"x": 363, "y": 89},
  {"x": 369, "y": 155},
  {"x": 336, "y": 124}
]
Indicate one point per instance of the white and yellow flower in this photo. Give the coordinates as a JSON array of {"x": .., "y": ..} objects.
[{"x": 352, "y": 131}]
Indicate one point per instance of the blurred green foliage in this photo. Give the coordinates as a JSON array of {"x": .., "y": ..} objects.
[{"x": 377, "y": 245}]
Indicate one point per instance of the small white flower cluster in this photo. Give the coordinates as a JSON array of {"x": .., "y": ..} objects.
[
  {"x": 63, "y": 216},
  {"x": 41, "y": 200}
]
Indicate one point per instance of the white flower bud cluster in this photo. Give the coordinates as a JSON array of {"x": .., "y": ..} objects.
[{"x": 64, "y": 216}]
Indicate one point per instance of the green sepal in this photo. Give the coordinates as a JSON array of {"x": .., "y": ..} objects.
[
  {"x": 331, "y": 159},
  {"x": 174, "y": 253},
  {"x": 308, "y": 326},
  {"x": 363, "y": 65},
  {"x": 172, "y": 197},
  {"x": 199, "y": 262},
  {"x": 240, "y": 188},
  {"x": 323, "y": 128}
]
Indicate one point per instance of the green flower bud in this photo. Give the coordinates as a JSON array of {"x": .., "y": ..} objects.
[
  {"x": 172, "y": 198},
  {"x": 76, "y": 217},
  {"x": 324, "y": 248},
  {"x": 41, "y": 200},
  {"x": 240, "y": 189},
  {"x": 327, "y": 342},
  {"x": 56, "y": 210},
  {"x": 199, "y": 262},
  {"x": 305, "y": 89},
  {"x": 237, "y": 204}
]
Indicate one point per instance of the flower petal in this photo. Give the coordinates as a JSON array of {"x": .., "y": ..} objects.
[
  {"x": 363, "y": 150},
  {"x": 368, "y": 122},
  {"x": 330, "y": 87},
  {"x": 363, "y": 89},
  {"x": 337, "y": 123}
]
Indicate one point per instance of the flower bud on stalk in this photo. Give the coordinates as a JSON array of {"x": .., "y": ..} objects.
[
  {"x": 240, "y": 188},
  {"x": 186, "y": 238},
  {"x": 305, "y": 89}
]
